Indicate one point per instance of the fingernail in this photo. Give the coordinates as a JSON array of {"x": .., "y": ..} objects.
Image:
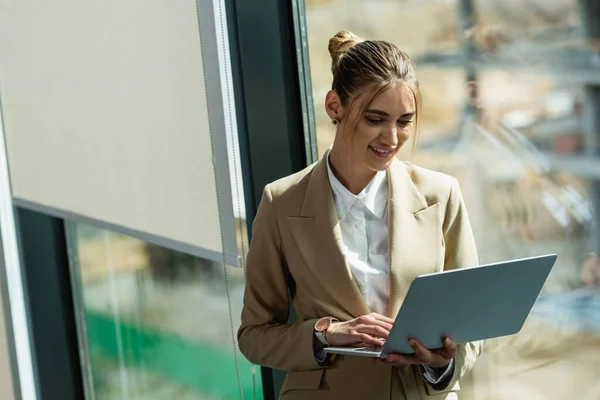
[{"x": 412, "y": 343}]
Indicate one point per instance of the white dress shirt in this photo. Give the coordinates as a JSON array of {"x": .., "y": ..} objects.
[{"x": 364, "y": 226}]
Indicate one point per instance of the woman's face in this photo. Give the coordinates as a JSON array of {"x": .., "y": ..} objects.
[{"x": 384, "y": 127}]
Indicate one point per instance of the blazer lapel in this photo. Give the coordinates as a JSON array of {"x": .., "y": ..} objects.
[
  {"x": 414, "y": 231},
  {"x": 319, "y": 237}
]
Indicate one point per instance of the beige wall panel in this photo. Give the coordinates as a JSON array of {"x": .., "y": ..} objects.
[{"x": 106, "y": 114}]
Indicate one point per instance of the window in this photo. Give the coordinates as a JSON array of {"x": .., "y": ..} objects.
[
  {"x": 509, "y": 97},
  {"x": 158, "y": 323}
]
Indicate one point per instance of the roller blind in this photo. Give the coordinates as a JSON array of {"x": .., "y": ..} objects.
[{"x": 114, "y": 112}]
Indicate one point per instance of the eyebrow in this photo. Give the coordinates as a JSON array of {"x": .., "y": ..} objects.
[{"x": 384, "y": 114}]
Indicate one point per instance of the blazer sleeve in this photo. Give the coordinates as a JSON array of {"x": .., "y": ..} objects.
[
  {"x": 460, "y": 252},
  {"x": 265, "y": 338}
]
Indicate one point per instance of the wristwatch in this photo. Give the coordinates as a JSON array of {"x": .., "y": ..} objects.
[{"x": 321, "y": 327}]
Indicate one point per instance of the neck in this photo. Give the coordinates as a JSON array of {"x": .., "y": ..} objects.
[{"x": 354, "y": 178}]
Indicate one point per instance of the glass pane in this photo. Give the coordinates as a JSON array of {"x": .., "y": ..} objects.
[
  {"x": 159, "y": 322},
  {"x": 510, "y": 105}
]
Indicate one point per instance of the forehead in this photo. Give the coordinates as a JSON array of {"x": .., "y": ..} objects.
[{"x": 395, "y": 100}]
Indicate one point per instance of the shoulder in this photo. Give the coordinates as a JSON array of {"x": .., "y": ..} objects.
[
  {"x": 433, "y": 185},
  {"x": 294, "y": 183},
  {"x": 287, "y": 193}
]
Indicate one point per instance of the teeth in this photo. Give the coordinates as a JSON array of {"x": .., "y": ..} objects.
[{"x": 381, "y": 151}]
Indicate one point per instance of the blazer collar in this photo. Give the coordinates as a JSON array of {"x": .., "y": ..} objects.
[
  {"x": 318, "y": 199},
  {"x": 403, "y": 191}
]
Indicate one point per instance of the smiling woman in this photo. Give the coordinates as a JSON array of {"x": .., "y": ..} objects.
[
  {"x": 377, "y": 137},
  {"x": 354, "y": 229},
  {"x": 375, "y": 102}
]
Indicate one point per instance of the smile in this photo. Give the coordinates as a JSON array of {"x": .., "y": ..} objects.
[{"x": 381, "y": 153}]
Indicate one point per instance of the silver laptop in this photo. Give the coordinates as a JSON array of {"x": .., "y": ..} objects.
[{"x": 466, "y": 304}]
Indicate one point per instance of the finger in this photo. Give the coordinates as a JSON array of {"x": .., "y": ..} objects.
[
  {"x": 443, "y": 352},
  {"x": 421, "y": 352},
  {"x": 450, "y": 346},
  {"x": 449, "y": 350},
  {"x": 402, "y": 359},
  {"x": 373, "y": 319},
  {"x": 384, "y": 322},
  {"x": 367, "y": 339},
  {"x": 373, "y": 330},
  {"x": 383, "y": 318}
]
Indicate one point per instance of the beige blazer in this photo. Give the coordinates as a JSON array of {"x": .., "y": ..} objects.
[{"x": 296, "y": 235}]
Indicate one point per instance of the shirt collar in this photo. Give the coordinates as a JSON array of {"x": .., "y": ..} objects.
[{"x": 374, "y": 196}]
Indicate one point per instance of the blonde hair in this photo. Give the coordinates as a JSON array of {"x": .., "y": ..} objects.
[{"x": 357, "y": 64}]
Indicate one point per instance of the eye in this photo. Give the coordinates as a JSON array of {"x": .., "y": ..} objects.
[
  {"x": 374, "y": 121},
  {"x": 405, "y": 122}
]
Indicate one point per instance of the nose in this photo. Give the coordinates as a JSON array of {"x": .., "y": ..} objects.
[{"x": 389, "y": 136}]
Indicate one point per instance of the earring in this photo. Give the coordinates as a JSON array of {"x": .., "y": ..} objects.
[{"x": 334, "y": 121}]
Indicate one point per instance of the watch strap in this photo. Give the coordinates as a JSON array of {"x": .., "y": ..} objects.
[{"x": 322, "y": 338}]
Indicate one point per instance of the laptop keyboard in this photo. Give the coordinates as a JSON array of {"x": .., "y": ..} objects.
[{"x": 371, "y": 348}]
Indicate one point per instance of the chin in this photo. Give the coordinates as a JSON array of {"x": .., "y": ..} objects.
[{"x": 381, "y": 166}]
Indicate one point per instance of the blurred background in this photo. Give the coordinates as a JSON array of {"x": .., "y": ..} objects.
[{"x": 511, "y": 107}]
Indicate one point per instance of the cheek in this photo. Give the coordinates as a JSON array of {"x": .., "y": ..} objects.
[
  {"x": 405, "y": 134},
  {"x": 365, "y": 134}
]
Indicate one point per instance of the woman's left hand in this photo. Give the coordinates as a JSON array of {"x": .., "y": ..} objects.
[{"x": 439, "y": 358}]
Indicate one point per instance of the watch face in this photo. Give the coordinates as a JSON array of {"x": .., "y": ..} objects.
[{"x": 322, "y": 324}]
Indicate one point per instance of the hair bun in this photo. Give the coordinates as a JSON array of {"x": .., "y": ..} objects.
[{"x": 339, "y": 45}]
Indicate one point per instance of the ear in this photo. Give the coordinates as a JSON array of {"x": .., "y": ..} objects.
[{"x": 333, "y": 105}]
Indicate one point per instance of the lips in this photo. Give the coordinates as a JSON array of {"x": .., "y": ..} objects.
[{"x": 382, "y": 152}]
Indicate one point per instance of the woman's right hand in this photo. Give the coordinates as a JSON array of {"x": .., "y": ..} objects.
[{"x": 367, "y": 330}]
